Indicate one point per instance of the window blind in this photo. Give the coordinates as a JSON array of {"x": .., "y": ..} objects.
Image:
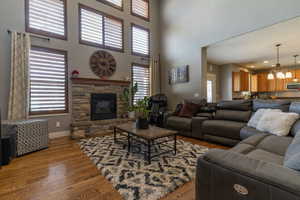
[
  {"x": 140, "y": 41},
  {"x": 46, "y": 17},
  {"x": 101, "y": 30},
  {"x": 48, "y": 81},
  {"x": 115, "y": 3},
  {"x": 140, "y": 8},
  {"x": 141, "y": 76}
]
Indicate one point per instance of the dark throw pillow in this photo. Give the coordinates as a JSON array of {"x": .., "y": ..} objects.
[
  {"x": 189, "y": 110},
  {"x": 178, "y": 109}
]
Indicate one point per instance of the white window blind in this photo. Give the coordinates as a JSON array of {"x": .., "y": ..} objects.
[
  {"x": 141, "y": 76},
  {"x": 91, "y": 27},
  {"x": 100, "y": 30},
  {"x": 140, "y": 8},
  {"x": 48, "y": 85},
  {"x": 140, "y": 41},
  {"x": 117, "y": 3},
  {"x": 46, "y": 16}
]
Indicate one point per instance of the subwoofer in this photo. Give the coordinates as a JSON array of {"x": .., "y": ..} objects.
[{"x": 6, "y": 150}]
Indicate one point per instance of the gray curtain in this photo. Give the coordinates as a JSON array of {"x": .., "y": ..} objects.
[
  {"x": 18, "y": 98},
  {"x": 154, "y": 73}
]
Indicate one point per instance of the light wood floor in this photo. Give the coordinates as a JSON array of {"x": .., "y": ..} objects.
[{"x": 63, "y": 172}]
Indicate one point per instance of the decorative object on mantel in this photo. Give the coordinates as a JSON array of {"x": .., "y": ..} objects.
[
  {"x": 179, "y": 75},
  {"x": 127, "y": 96},
  {"x": 103, "y": 64},
  {"x": 142, "y": 113},
  {"x": 75, "y": 74}
]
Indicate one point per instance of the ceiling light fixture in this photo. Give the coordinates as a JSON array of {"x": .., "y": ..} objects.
[
  {"x": 266, "y": 62},
  {"x": 279, "y": 74},
  {"x": 295, "y": 79}
]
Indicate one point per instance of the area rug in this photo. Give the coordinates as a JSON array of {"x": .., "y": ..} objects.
[{"x": 133, "y": 177}]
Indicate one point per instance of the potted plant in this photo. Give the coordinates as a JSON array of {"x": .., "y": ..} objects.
[
  {"x": 142, "y": 113},
  {"x": 127, "y": 96}
]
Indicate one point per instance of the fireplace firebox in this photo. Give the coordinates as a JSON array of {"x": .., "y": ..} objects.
[{"x": 103, "y": 106}]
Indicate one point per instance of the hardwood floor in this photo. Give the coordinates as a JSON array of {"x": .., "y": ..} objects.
[{"x": 63, "y": 172}]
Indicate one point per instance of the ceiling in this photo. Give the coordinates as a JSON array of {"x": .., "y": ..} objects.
[{"x": 251, "y": 50}]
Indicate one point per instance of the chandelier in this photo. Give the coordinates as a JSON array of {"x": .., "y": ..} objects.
[{"x": 279, "y": 74}]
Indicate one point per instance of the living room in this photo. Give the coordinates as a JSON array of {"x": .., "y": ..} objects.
[{"x": 117, "y": 99}]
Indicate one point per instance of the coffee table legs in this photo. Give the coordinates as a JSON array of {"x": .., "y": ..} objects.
[
  {"x": 175, "y": 145},
  {"x": 149, "y": 151},
  {"x": 128, "y": 142}
]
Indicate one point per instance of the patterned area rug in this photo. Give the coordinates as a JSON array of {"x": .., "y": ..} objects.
[{"x": 133, "y": 177}]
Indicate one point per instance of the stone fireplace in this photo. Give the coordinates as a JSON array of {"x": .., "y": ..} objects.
[{"x": 96, "y": 105}]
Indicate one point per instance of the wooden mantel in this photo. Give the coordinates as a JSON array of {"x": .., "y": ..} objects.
[{"x": 90, "y": 81}]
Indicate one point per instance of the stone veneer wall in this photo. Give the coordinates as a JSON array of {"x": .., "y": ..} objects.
[{"x": 81, "y": 108}]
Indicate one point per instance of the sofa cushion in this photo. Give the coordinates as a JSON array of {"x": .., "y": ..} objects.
[
  {"x": 234, "y": 115},
  {"x": 266, "y": 156},
  {"x": 292, "y": 155},
  {"x": 223, "y": 128},
  {"x": 244, "y": 105},
  {"x": 295, "y": 107},
  {"x": 248, "y": 131},
  {"x": 178, "y": 109},
  {"x": 278, "y": 124},
  {"x": 272, "y": 104},
  {"x": 275, "y": 144},
  {"x": 179, "y": 123}
]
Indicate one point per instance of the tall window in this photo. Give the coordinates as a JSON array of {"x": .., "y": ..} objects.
[
  {"x": 47, "y": 17},
  {"x": 140, "y": 8},
  {"x": 209, "y": 91},
  {"x": 100, "y": 30},
  {"x": 114, "y": 3},
  {"x": 141, "y": 76},
  {"x": 48, "y": 77},
  {"x": 140, "y": 40}
]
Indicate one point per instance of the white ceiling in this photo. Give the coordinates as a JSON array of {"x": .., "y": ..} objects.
[{"x": 252, "y": 49}]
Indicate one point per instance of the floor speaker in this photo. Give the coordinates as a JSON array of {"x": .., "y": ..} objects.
[{"x": 6, "y": 150}]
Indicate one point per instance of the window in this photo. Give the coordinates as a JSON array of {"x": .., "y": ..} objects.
[
  {"x": 140, "y": 40},
  {"x": 141, "y": 76},
  {"x": 140, "y": 8},
  {"x": 48, "y": 77},
  {"x": 100, "y": 30},
  {"x": 114, "y": 3},
  {"x": 209, "y": 91},
  {"x": 47, "y": 17}
]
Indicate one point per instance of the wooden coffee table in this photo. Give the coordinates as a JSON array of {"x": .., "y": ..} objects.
[{"x": 148, "y": 137}]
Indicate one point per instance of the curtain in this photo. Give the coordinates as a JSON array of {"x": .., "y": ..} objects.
[
  {"x": 18, "y": 97},
  {"x": 154, "y": 73}
]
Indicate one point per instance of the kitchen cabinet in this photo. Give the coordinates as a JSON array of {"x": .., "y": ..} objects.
[
  {"x": 253, "y": 83},
  {"x": 240, "y": 81},
  {"x": 262, "y": 81}
]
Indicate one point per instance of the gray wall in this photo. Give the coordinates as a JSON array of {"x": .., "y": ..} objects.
[
  {"x": 186, "y": 27},
  {"x": 12, "y": 17}
]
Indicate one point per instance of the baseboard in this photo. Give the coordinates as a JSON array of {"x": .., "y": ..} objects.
[{"x": 59, "y": 134}]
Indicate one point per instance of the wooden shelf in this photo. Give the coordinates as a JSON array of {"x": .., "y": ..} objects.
[{"x": 90, "y": 81}]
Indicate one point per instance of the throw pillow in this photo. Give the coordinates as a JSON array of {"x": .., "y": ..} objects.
[
  {"x": 253, "y": 122},
  {"x": 178, "y": 109},
  {"x": 277, "y": 123},
  {"x": 292, "y": 155},
  {"x": 189, "y": 110}
]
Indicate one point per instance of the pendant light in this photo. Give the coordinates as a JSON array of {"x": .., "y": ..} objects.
[
  {"x": 295, "y": 79},
  {"x": 279, "y": 74}
]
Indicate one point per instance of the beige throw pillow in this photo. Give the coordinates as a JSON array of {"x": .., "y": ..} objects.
[
  {"x": 253, "y": 122},
  {"x": 277, "y": 123}
]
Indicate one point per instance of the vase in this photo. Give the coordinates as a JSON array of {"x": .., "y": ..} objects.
[{"x": 142, "y": 123}]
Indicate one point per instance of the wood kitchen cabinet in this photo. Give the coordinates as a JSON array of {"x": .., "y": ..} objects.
[
  {"x": 262, "y": 81},
  {"x": 253, "y": 83},
  {"x": 240, "y": 81}
]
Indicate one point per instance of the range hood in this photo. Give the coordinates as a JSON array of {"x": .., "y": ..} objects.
[{"x": 293, "y": 86}]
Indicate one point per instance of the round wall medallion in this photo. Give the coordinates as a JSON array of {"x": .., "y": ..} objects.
[{"x": 103, "y": 64}]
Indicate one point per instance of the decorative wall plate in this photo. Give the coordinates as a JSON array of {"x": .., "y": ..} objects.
[{"x": 103, "y": 64}]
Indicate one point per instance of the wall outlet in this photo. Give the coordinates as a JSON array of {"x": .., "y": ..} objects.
[{"x": 57, "y": 124}]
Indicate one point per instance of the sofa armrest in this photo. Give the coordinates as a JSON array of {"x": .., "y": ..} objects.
[
  {"x": 167, "y": 114},
  {"x": 277, "y": 176}
]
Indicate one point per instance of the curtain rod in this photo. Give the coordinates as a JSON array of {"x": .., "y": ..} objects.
[{"x": 34, "y": 36}]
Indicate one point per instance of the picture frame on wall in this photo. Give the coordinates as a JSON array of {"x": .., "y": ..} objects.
[{"x": 179, "y": 75}]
